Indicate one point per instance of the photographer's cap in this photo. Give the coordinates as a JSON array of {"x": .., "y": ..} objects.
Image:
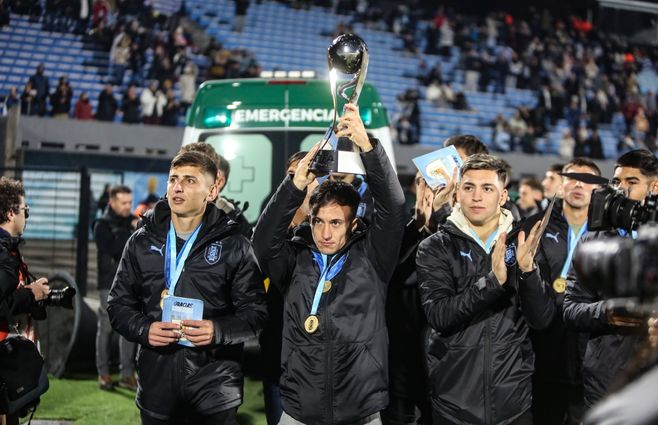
[{"x": 586, "y": 178}]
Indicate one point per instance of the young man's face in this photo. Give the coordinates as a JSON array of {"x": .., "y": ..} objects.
[
  {"x": 576, "y": 193},
  {"x": 331, "y": 227},
  {"x": 527, "y": 197},
  {"x": 481, "y": 194},
  {"x": 551, "y": 183},
  {"x": 635, "y": 185},
  {"x": 121, "y": 203},
  {"x": 189, "y": 189}
]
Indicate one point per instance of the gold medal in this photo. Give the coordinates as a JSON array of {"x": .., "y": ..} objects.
[
  {"x": 327, "y": 286},
  {"x": 163, "y": 295},
  {"x": 560, "y": 285},
  {"x": 311, "y": 323}
]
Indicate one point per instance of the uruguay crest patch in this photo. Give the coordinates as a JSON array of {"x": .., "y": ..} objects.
[
  {"x": 510, "y": 255},
  {"x": 213, "y": 253}
]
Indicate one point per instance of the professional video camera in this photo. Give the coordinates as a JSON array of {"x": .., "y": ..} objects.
[
  {"x": 622, "y": 270},
  {"x": 609, "y": 209}
]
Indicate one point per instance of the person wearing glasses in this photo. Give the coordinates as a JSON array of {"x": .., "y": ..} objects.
[{"x": 19, "y": 294}]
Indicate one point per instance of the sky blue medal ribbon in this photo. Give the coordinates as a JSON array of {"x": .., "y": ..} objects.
[
  {"x": 623, "y": 233},
  {"x": 173, "y": 271},
  {"x": 487, "y": 245},
  {"x": 327, "y": 272},
  {"x": 572, "y": 244}
]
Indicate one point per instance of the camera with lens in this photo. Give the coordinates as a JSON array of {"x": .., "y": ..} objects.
[
  {"x": 60, "y": 298},
  {"x": 622, "y": 270},
  {"x": 609, "y": 209}
]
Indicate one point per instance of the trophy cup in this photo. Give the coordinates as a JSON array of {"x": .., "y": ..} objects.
[{"x": 347, "y": 54}]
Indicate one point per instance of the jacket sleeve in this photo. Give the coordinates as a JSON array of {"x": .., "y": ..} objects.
[
  {"x": 248, "y": 299},
  {"x": 582, "y": 310},
  {"x": 19, "y": 300},
  {"x": 448, "y": 311},
  {"x": 124, "y": 306},
  {"x": 274, "y": 255},
  {"x": 536, "y": 298},
  {"x": 385, "y": 232}
]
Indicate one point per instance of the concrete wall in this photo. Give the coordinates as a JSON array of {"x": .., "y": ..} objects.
[{"x": 155, "y": 142}]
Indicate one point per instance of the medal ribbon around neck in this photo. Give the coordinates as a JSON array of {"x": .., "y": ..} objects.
[
  {"x": 174, "y": 263},
  {"x": 572, "y": 244},
  {"x": 327, "y": 272}
]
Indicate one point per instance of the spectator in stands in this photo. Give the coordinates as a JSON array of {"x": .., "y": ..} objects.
[
  {"x": 5, "y": 18},
  {"x": 130, "y": 106},
  {"x": 581, "y": 148},
  {"x": 188, "y": 85},
  {"x": 241, "y": 7},
  {"x": 518, "y": 129},
  {"x": 83, "y": 109},
  {"x": 107, "y": 104},
  {"x": 39, "y": 82},
  {"x": 152, "y": 101},
  {"x": 10, "y": 101},
  {"x": 137, "y": 61},
  {"x": 119, "y": 56},
  {"x": 100, "y": 13},
  {"x": 60, "y": 100},
  {"x": 567, "y": 144},
  {"x": 595, "y": 145},
  {"x": 29, "y": 104},
  {"x": 433, "y": 94},
  {"x": 170, "y": 110}
]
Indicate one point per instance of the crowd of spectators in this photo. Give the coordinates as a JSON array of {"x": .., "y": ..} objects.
[{"x": 148, "y": 55}]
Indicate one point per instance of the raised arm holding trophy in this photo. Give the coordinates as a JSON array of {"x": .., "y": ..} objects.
[{"x": 332, "y": 272}]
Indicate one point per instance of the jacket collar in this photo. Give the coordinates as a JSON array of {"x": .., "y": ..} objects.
[
  {"x": 460, "y": 222},
  {"x": 215, "y": 222}
]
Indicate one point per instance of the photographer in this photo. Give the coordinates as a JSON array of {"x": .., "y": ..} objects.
[
  {"x": 557, "y": 386},
  {"x": 613, "y": 340},
  {"x": 19, "y": 296}
]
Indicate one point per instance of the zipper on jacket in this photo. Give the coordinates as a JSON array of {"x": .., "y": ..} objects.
[
  {"x": 329, "y": 381},
  {"x": 487, "y": 372}
]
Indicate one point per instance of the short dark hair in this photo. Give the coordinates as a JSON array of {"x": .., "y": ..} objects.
[
  {"x": 483, "y": 161},
  {"x": 582, "y": 162},
  {"x": 297, "y": 156},
  {"x": 120, "y": 188},
  {"x": 470, "y": 144},
  {"x": 206, "y": 148},
  {"x": 556, "y": 168},
  {"x": 195, "y": 159},
  {"x": 532, "y": 183},
  {"x": 641, "y": 159},
  {"x": 10, "y": 197},
  {"x": 334, "y": 192}
]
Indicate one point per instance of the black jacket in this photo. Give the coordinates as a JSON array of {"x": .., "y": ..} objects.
[
  {"x": 406, "y": 324},
  {"x": 339, "y": 374},
  {"x": 479, "y": 354},
  {"x": 609, "y": 348},
  {"x": 558, "y": 350},
  {"x": 111, "y": 233},
  {"x": 13, "y": 271},
  {"x": 229, "y": 284}
]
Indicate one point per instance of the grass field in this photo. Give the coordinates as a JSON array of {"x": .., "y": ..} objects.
[{"x": 79, "y": 399}]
